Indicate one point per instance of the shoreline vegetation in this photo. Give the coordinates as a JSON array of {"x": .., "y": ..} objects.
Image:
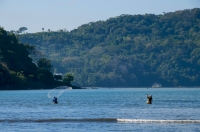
[
  {"x": 19, "y": 71},
  {"x": 127, "y": 50},
  {"x": 43, "y": 87},
  {"x": 35, "y": 86},
  {"x": 124, "y": 51}
]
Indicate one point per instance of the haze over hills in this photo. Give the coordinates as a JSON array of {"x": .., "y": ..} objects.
[{"x": 127, "y": 51}]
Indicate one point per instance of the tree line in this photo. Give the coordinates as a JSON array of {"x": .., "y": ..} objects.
[
  {"x": 127, "y": 50},
  {"x": 19, "y": 71}
]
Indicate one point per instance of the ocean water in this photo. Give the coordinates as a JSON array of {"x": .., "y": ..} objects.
[{"x": 101, "y": 110}]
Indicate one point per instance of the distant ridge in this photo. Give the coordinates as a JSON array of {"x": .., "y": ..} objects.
[{"x": 128, "y": 50}]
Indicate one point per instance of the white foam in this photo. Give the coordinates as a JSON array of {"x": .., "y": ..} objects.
[{"x": 156, "y": 121}]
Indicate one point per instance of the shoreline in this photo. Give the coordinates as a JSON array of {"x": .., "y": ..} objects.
[{"x": 35, "y": 87}]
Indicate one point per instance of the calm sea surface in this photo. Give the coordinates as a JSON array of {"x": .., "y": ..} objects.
[{"x": 101, "y": 110}]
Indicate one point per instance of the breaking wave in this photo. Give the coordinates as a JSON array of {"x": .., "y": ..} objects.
[
  {"x": 156, "y": 121},
  {"x": 103, "y": 120}
]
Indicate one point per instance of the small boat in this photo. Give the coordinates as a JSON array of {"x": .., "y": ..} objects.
[{"x": 156, "y": 85}]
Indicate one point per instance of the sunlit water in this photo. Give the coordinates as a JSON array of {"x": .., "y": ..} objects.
[{"x": 102, "y": 109}]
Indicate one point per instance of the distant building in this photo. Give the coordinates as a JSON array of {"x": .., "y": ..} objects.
[
  {"x": 58, "y": 76},
  {"x": 156, "y": 85}
]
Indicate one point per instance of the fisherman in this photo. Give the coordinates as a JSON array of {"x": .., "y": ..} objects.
[
  {"x": 149, "y": 97},
  {"x": 55, "y": 100}
]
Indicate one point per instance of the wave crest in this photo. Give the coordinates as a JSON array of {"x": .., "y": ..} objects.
[
  {"x": 156, "y": 121},
  {"x": 104, "y": 120}
]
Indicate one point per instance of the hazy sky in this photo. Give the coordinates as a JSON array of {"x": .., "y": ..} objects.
[{"x": 70, "y": 14}]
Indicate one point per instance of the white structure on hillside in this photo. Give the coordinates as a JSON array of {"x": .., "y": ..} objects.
[{"x": 156, "y": 85}]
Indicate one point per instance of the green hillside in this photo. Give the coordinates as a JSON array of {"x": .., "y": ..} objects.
[
  {"x": 128, "y": 50},
  {"x": 17, "y": 71}
]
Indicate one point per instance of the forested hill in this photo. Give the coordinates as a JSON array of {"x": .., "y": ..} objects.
[
  {"x": 17, "y": 71},
  {"x": 128, "y": 50}
]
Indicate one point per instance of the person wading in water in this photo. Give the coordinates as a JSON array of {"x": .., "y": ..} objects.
[
  {"x": 149, "y": 97},
  {"x": 55, "y": 100}
]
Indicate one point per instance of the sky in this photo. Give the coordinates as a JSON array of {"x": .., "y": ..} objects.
[{"x": 70, "y": 14}]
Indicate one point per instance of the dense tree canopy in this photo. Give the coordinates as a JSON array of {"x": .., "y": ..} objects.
[
  {"x": 45, "y": 64},
  {"x": 128, "y": 50},
  {"x": 16, "y": 67},
  {"x": 68, "y": 78}
]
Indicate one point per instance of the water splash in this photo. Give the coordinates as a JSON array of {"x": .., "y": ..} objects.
[{"x": 56, "y": 92}]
